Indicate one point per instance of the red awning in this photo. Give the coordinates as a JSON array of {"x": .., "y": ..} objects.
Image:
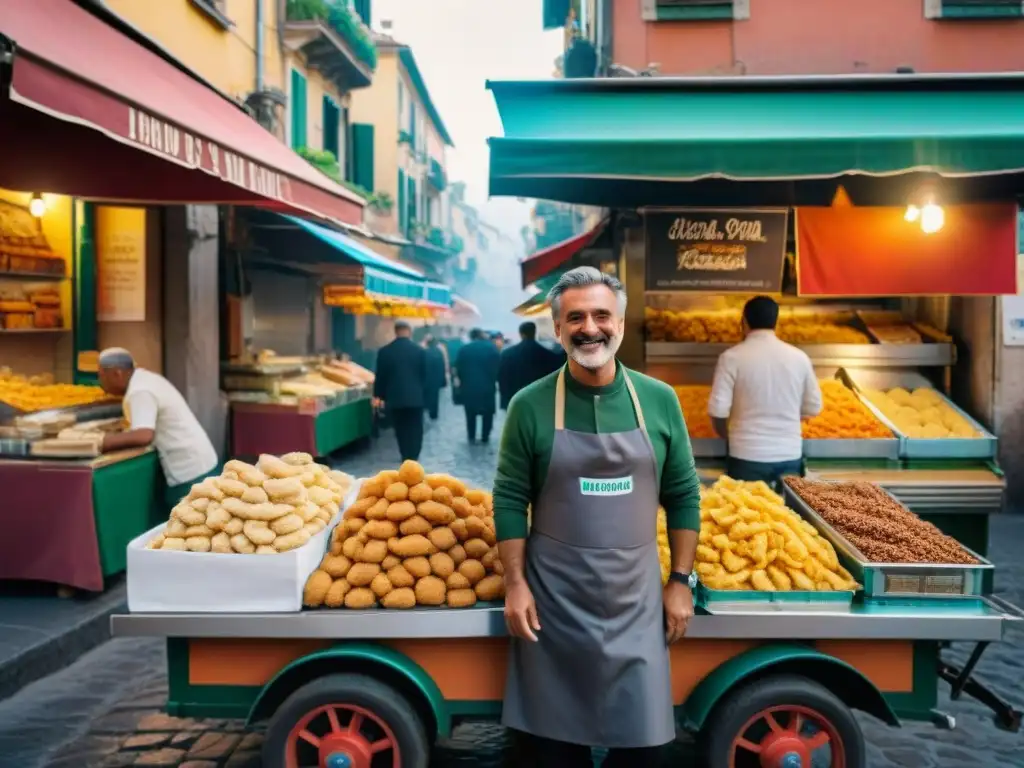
[
  {"x": 91, "y": 113},
  {"x": 544, "y": 262}
]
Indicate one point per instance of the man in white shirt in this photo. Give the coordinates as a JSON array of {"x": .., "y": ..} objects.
[
  {"x": 763, "y": 389},
  {"x": 157, "y": 415}
]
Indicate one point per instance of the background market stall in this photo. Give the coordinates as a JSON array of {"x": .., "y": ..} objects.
[{"x": 871, "y": 246}]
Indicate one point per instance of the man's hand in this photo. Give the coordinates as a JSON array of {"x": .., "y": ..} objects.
[
  {"x": 521, "y": 612},
  {"x": 678, "y": 600},
  {"x": 377, "y": 403}
]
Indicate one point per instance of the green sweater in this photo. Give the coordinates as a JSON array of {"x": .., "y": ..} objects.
[{"x": 530, "y": 431}]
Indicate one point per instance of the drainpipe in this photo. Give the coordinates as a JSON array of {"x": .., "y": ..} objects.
[{"x": 259, "y": 46}]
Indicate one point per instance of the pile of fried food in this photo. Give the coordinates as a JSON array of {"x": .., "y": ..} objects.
[
  {"x": 879, "y": 526},
  {"x": 276, "y": 506},
  {"x": 39, "y": 393},
  {"x": 922, "y": 413},
  {"x": 750, "y": 540},
  {"x": 725, "y": 326},
  {"x": 664, "y": 551},
  {"x": 843, "y": 416},
  {"x": 411, "y": 539},
  {"x": 693, "y": 399}
]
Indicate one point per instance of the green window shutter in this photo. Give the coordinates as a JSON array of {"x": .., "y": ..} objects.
[
  {"x": 402, "y": 210},
  {"x": 331, "y": 121},
  {"x": 365, "y": 10},
  {"x": 410, "y": 199},
  {"x": 299, "y": 109},
  {"x": 362, "y": 154},
  {"x": 555, "y": 13}
]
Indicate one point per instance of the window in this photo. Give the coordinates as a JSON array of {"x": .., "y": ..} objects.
[
  {"x": 332, "y": 125},
  {"x": 362, "y": 157},
  {"x": 401, "y": 103},
  {"x": 299, "y": 110},
  {"x": 973, "y": 9},
  {"x": 403, "y": 211},
  {"x": 694, "y": 10},
  {"x": 215, "y": 11},
  {"x": 365, "y": 10}
]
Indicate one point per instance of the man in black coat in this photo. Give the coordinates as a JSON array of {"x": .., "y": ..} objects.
[
  {"x": 524, "y": 363},
  {"x": 401, "y": 383},
  {"x": 476, "y": 368},
  {"x": 437, "y": 376}
]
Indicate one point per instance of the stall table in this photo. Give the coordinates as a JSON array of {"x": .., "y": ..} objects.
[
  {"x": 278, "y": 429},
  {"x": 69, "y": 521},
  {"x": 418, "y": 673}
]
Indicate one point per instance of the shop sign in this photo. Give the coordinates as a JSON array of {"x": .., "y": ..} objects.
[
  {"x": 190, "y": 150},
  {"x": 120, "y": 264},
  {"x": 717, "y": 250}
]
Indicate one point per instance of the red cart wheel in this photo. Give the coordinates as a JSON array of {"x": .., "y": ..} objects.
[
  {"x": 346, "y": 721},
  {"x": 789, "y": 737},
  {"x": 783, "y": 722}
]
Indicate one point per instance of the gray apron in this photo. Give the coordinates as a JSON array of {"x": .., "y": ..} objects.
[{"x": 599, "y": 673}]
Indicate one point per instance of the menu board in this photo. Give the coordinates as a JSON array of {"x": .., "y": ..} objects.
[{"x": 717, "y": 250}]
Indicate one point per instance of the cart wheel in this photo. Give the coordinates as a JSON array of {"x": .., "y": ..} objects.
[
  {"x": 783, "y": 722},
  {"x": 346, "y": 721}
]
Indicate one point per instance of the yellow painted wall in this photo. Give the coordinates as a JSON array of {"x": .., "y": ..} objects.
[
  {"x": 32, "y": 353},
  {"x": 378, "y": 106},
  {"x": 226, "y": 58}
]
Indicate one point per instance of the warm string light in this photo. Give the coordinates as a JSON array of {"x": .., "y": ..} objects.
[
  {"x": 37, "y": 206},
  {"x": 930, "y": 216}
]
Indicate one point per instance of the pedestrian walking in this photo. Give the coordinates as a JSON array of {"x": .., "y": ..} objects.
[
  {"x": 595, "y": 450},
  {"x": 476, "y": 369},
  {"x": 763, "y": 388},
  {"x": 524, "y": 363},
  {"x": 437, "y": 376},
  {"x": 400, "y": 384}
]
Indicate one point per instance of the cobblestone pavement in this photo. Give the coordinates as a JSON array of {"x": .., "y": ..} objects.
[{"x": 104, "y": 711}]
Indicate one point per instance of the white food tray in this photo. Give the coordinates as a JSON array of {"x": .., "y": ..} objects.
[{"x": 206, "y": 582}]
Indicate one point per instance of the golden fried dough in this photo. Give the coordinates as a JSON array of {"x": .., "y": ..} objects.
[
  {"x": 297, "y": 459},
  {"x": 381, "y": 529},
  {"x": 442, "y": 565},
  {"x": 360, "y": 598},
  {"x": 264, "y": 549},
  {"x": 458, "y": 581},
  {"x": 336, "y": 565},
  {"x": 258, "y": 533},
  {"x": 234, "y": 526},
  {"x": 475, "y": 526},
  {"x": 400, "y": 510},
  {"x": 241, "y": 544},
  {"x": 177, "y": 529},
  {"x": 197, "y": 544},
  {"x": 287, "y": 524},
  {"x": 335, "y": 549},
  {"x": 390, "y": 562},
  {"x": 198, "y": 530},
  {"x": 206, "y": 490},
  {"x": 411, "y": 546},
  {"x": 372, "y": 488},
  {"x": 292, "y": 540},
  {"x": 461, "y": 598},
  {"x": 397, "y": 492},
  {"x": 476, "y": 548},
  {"x": 274, "y": 469},
  {"x": 199, "y": 505},
  {"x": 490, "y": 588},
  {"x": 320, "y": 496},
  {"x": 420, "y": 492},
  {"x": 216, "y": 518},
  {"x": 174, "y": 543},
  {"x": 361, "y": 574},
  {"x": 457, "y": 554},
  {"x": 442, "y": 538},
  {"x": 374, "y": 551},
  {"x": 430, "y": 590},
  {"x": 400, "y": 577},
  {"x": 462, "y": 507},
  {"x": 358, "y": 509},
  {"x": 434, "y": 513},
  {"x": 378, "y": 511},
  {"x": 352, "y": 548},
  {"x": 489, "y": 558},
  {"x": 231, "y": 487},
  {"x": 475, "y": 496},
  {"x": 460, "y": 530},
  {"x": 411, "y": 472},
  {"x": 187, "y": 515},
  {"x": 443, "y": 495},
  {"x": 473, "y": 570},
  {"x": 414, "y": 525},
  {"x": 316, "y": 589},
  {"x": 336, "y": 594},
  {"x": 417, "y": 566},
  {"x": 381, "y": 585},
  {"x": 437, "y": 481},
  {"x": 402, "y": 598},
  {"x": 221, "y": 544}
]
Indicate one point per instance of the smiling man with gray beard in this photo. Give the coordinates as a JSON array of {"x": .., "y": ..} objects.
[{"x": 594, "y": 448}]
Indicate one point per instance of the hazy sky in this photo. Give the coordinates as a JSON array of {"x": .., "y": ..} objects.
[{"x": 459, "y": 44}]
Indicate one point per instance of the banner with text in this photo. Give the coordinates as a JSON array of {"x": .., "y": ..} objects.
[
  {"x": 716, "y": 250},
  {"x": 875, "y": 251}
]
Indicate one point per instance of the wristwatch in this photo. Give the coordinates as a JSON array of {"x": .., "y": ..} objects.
[{"x": 687, "y": 579}]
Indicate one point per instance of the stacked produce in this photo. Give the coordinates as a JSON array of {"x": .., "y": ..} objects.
[
  {"x": 879, "y": 526},
  {"x": 275, "y": 506},
  {"x": 800, "y": 330},
  {"x": 843, "y": 416},
  {"x": 750, "y": 540},
  {"x": 347, "y": 373},
  {"x": 724, "y": 326},
  {"x": 922, "y": 413},
  {"x": 411, "y": 539},
  {"x": 694, "y": 401},
  {"x": 39, "y": 393}
]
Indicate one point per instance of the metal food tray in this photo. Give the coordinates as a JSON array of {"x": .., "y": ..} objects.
[
  {"x": 853, "y": 448},
  {"x": 104, "y": 409},
  {"x": 795, "y": 600},
  {"x": 984, "y": 447},
  {"x": 927, "y": 354},
  {"x": 708, "y": 447},
  {"x": 887, "y": 580},
  {"x": 265, "y": 369}
]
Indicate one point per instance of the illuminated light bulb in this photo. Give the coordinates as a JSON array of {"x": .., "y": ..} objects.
[
  {"x": 932, "y": 218},
  {"x": 913, "y": 213},
  {"x": 37, "y": 206}
]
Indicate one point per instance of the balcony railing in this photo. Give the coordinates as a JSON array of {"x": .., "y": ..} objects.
[
  {"x": 436, "y": 176},
  {"x": 342, "y": 19}
]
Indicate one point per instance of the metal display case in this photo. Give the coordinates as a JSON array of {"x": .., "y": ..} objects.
[
  {"x": 925, "y": 355},
  {"x": 898, "y": 580}
]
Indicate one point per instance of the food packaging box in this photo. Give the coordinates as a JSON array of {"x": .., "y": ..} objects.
[{"x": 205, "y": 582}]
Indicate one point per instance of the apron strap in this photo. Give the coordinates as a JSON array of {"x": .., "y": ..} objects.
[{"x": 560, "y": 402}]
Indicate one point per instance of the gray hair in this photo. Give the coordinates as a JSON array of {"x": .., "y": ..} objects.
[
  {"x": 581, "y": 277},
  {"x": 116, "y": 357}
]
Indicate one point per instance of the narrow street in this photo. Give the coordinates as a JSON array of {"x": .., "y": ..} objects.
[{"x": 104, "y": 710}]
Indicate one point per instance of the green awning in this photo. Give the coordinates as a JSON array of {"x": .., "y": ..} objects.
[{"x": 564, "y": 133}]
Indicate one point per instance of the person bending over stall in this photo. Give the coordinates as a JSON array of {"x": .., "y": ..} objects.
[
  {"x": 157, "y": 415},
  {"x": 763, "y": 388},
  {"x": 593, "y": 449}
]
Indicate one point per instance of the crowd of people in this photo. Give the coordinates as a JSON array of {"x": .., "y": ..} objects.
[{"x": 484, "y": 375}]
